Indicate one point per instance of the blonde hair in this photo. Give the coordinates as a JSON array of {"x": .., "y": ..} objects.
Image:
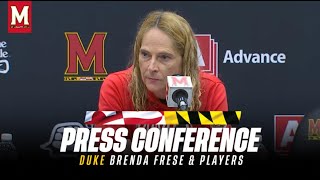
[{"x": 180, "y": 31}]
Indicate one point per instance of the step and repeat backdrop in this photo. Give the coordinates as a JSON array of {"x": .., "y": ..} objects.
[{"x": 55, "y": 55}]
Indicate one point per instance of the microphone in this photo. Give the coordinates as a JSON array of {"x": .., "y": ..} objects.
[{"x": 179, "y": 91}]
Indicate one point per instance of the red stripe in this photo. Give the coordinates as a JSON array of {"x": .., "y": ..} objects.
[
  {"x": 99, "y": 118},
  {"x": 142, "y": 121},
  {"x": 96, "y": 117}
]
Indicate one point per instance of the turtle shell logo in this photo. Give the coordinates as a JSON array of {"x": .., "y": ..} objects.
[{"x": 53, "y": 145}]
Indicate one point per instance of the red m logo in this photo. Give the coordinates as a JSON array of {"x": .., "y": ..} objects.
[
  {"x": 77, "y": 54},
  {"x": 179, "y": 80}
]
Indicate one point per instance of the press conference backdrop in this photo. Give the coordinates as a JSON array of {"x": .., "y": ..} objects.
[{"x": 34, "y": 96}]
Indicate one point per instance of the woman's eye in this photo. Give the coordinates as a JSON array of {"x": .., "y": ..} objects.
[
  {"x": 144, "y": 54},
  {"x": 164, "y": 57}
]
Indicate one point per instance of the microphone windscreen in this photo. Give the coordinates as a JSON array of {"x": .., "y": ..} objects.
[{"x": 176, "y": 83}]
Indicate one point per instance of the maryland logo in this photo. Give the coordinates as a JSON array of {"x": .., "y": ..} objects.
[
  {"x": 314, "y": 129},
  {"x": 90, "y": 59},
  {"x": 19, "y": 17},
  {"x": 207, "y": 53}
]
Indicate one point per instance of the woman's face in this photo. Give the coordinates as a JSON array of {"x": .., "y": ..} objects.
[{"x": 158, "y": 58}]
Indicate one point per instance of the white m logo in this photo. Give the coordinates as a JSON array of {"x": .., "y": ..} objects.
[{"x": 19, "y": 17}]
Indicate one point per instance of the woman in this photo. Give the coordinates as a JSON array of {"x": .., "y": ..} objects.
[{"x": 165, "y": 45}]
